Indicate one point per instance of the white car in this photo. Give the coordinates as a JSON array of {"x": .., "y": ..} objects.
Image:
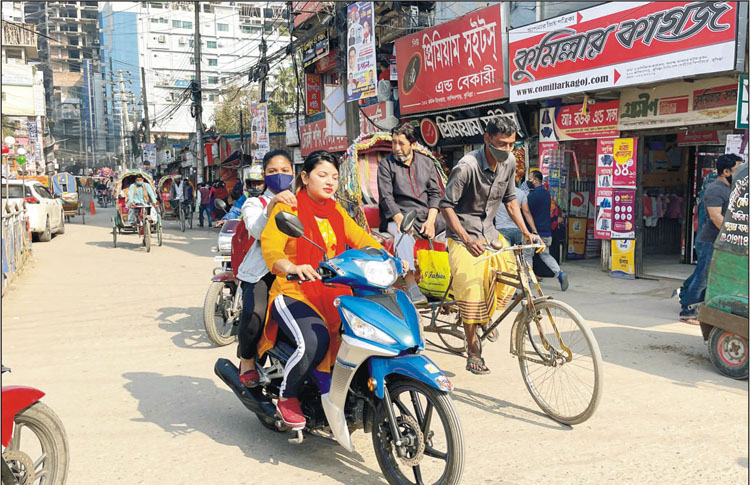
[{"x": 45, "y": 212}]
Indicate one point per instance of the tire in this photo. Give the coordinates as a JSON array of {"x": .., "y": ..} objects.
[
  {"x": 576, "y": 336},
  {"x": 61, "y": 230},
  {"x": 219, "y": 331},
  {"x": 159, "y": 234},
  {"x": 181, "y": 216},
  {"x": 83, "y": 218},
  {"x": 46, "y": 236},
  {"x": 190, "y": 219},
  {"x": 114, "y": 235},
  {"x": 147, "y": 235},
  {"x": 453, "y": 436},
  {"x": 451, "y": 321},
  {"x": 728, "y": 353},
  {"x": 51, "y": 437}
]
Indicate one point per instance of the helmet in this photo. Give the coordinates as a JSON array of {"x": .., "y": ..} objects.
[{"x": 255, "y": 174}]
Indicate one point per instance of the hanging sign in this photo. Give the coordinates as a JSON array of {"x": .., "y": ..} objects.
[
  {"x": 453, "y": 64},
  {"x": 603, "y": 192},
  {"x": 743, "y": 94},
  {"x": 624, "y": 169},
  {"x": 703, "y": 101},
  {"x": 621, "y": 44},
  {"x": 313, "y": 91},
  {"x": 361, "y": 62},
  {"x": 259, "y": 139},
  {"x": 314, "y": 49},
  {"x": 623, "y": 259},
  {"x": 623, "y": 214}
]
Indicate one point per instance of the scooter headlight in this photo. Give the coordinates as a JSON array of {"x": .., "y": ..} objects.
[
  {"x": 366, "y": 330},
  {"x": 379, "y": 273}
]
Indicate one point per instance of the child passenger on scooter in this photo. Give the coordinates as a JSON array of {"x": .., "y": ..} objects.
[
  {"x": 278, "y": 175},
  {"x": 305, "y": 312}
]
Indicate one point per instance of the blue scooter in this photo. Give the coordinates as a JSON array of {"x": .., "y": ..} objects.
[{"x": 381, "y": 382}]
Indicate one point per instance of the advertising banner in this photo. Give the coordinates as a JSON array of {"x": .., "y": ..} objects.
[
  {"x": 259, "y": 140},
  {"x": 314, "y": 138},
  {"x": 380, "y": 113},
  {"x": 576, "y": 238},
  {"x": 623, "y": 214},
  {"x": 361, "y": 62},
  {"x": 734, "y": 146},
  {"x": 314, "y": 49},
  {"x": 149, "y": 154},
  {"x": 678, "y": 104},
  {"x": 743, "y": 94},
  {"x": 624, "y": 170},
  {"x": 292, "y": 136},
  {"x": 313, "y": 93},
  {"x": 600, "y": 121},
  {"x": 603, "y": 192},
  {"x": 579, "y": 204},
  {"x": 619, "y": 44},
  {"x": 734, "y": 231},
  {"x": 453, "y": 64},
  {"x": 623, "y": 259}
]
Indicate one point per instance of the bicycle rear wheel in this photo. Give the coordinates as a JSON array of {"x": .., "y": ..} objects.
[
  {"x": 189, "y": 216},
  {"x": 182, "y": 218},
  {"x": 567, "y": 390}
]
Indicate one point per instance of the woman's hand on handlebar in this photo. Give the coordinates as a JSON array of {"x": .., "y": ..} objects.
[{"x": 305, "y": 272}]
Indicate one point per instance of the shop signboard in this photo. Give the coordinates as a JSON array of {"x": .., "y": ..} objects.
[
  {"x": 603, "y": 193},
  {"x": 703, "y": 101},
  {"x": 361, "y": 63},
  {"x": 576, "y": 238},
  {"x": 623, "y": 259},
  {"x": 579, "y": 204},
  {"x": 570, "y": 123},
  {"x": 314, "y": 49},
  {"x": 743, "y": 108},
  {"x": 620, "y": 44},
  {"x": 380, "y": 113},
  {"x": 453, "y": 64},
  {"x": 429, "y": 131},
  {"x": 623, "y": 214},
  {"x": 314, "y": 138},
  {"x": 460, "y": 126},
  {"x": 313, "y": 93},
  {"x": 328, "y": 62},
  {"x": 624, "y": 169}
]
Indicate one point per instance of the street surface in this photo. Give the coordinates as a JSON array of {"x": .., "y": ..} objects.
[{"x": 115, "y": 339}]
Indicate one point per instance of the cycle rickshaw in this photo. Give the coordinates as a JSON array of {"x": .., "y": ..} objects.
[
  {"x": 182, "y": 214},
  {"x": 148, "y": 220},
  {"x": 559, "y": 357},
  {"x": 64, "y": 186}
]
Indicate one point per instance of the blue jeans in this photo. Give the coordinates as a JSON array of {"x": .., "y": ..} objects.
[
  {"x": 207, "y": 209},
  {"x": 514, "y": 237},
  {"x": 696, "y": 290}
]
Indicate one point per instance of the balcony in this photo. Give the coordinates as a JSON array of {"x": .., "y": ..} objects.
[{"x": 15, "y": 36}]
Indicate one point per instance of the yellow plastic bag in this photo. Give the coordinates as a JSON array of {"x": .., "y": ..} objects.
[{"x": 435, "y": 272}]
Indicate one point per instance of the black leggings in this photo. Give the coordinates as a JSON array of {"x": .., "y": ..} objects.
[
  {"x": 303, "y": 326},
  {"x": 254, "y": 306}
]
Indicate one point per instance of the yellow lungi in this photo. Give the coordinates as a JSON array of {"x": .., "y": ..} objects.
[{"x": 474, "y": 285}]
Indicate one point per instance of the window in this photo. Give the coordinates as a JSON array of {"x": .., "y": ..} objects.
[
  {"x": 176, "y": 24},
  {"x": 191, "y": 43},
  {"x": 154, "y": 20},
  {"x": 211, "y": 44},
  {"x": 187, "y": 25},
  {"x": 162, "y": 20},
  {"x": 192, "y": 77},
  {"x": 207, "y": 8},
  {"x": 192, "y": 61},
  {"x": 73, "y": 54},
  {"x": 213, "y": 62},
  {"x": 223, "y": 27},
  {"x": 213, "y": 80}
]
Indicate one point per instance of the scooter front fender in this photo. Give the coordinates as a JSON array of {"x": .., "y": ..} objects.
[
  {"x": 224, "y": 277},
  {"x": 15, "y": 400},
  {"x": 416, "y": 366}
]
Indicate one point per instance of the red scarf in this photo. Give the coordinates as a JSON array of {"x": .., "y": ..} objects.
[{"x": 320, "y": 295}]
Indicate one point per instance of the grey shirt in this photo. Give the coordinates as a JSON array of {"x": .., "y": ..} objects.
[
  {"x": 475, "y": 192},
  {"x": 716, "y": 195},
  {"x": 502, "y": 219},
  {"x": 404, "y": 187}
]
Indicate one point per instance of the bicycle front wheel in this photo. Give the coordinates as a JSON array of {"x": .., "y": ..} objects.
[
  {"x": 567, "y": 387},
  {"x": 182, "y": 219}
]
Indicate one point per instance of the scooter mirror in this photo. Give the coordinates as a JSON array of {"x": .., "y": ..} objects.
[
  {"x": 408, "y": 221},
  {"x": 289, "y": 224},
  {"x": 220, "y": 204}
]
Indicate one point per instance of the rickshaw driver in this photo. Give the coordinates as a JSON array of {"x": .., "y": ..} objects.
[
  {"x": 477, "y": 185},
  {"x": 138, "y": 196}
]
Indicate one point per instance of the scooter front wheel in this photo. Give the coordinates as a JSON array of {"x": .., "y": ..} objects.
[
  {"x": 216, "y": 313},
  {"x": 433, "y": 450}
]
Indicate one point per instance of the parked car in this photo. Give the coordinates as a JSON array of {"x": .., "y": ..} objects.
[{"x": 45, "y": 212}]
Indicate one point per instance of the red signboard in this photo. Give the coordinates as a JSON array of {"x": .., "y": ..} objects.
[
  {"x": 377, "y": 113},
  {"x": 600, "y": 121},
  {"x": 698, "y": 138},
  {"x": 610, "y": 46},
  {"x": 328, "y": 62},
  {"x": 430, "y": 133},
  {"x": 454, "y": 64},
  {"x": 314, "y": 138},
  {"x": 304, "y": 10},
  {"x": 313, "y": 89}
]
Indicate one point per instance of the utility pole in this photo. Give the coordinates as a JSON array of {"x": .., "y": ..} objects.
[
  {"x": 197, "y": 92},
  {"x": 92, "y": 138},
  {"x": 145, "y": 105},
  {"x": 124, "y": 109},
  {"x": 351, "y": 108}
]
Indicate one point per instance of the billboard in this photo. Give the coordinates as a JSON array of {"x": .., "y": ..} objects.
[
  {"x": 621, "y": 44},
  {"x": 361, "y": 62}
]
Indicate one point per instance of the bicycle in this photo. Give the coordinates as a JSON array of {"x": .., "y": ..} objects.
[
  {"x": 550, "y": 339},
  {"x": 185, "y": 214}
]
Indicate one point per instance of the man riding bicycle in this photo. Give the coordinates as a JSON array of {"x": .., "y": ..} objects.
[
  {"x": 182, "y": 193},
  {"x": 477, "y": 185},
  {"x": 140, "y": 194}
]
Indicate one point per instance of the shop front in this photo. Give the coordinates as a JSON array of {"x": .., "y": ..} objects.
[{"x": 314, "y": 137}]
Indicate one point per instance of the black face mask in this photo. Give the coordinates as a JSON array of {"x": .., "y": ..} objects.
[{"x": 729, "y": 180}]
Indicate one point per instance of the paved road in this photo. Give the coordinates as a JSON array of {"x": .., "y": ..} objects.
[{"x": 116, "y": 340}]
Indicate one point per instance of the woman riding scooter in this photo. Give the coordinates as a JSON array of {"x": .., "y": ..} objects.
[
  {"x": 305, "y": 312},
  {"x": 267, "y": 186}
]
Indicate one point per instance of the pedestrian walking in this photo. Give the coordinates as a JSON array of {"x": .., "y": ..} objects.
[
  {"x": 204, "y": 203},
  {"x": 540, "y": 205}
]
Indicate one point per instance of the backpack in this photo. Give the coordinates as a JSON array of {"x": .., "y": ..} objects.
[{"x": 242, "y": 242}]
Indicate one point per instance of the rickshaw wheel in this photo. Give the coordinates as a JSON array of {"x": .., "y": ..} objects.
[
  {"x": 159, "y": 234},
  {"x": 114, "y": 235},
  {"x": 728, "y": 353}
]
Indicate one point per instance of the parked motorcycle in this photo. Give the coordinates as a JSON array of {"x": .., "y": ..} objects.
[
  {"x": 381, "y": 382},
  {"x": 222, "y": 307},
  {"x": 44, "y": 456}
]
